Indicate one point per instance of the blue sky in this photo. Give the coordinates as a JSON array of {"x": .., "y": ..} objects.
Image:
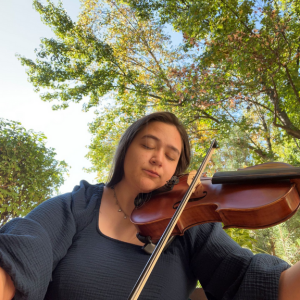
[{"x": 67, "y": 131}]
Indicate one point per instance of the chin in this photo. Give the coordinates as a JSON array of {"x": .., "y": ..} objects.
[
  {"x": 147, "y": 187},
  {"x": 147, "y": 190}
]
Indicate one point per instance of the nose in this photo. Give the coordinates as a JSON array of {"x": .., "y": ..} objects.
[{"x": 157, "y": 158}]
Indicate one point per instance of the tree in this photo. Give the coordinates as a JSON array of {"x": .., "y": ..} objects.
[
  {"x": 126, "y": 67},
  {"x": 256, "y": 45},
  {"x": 281, "y": 240},
  {"x": 29, "y": 174}
]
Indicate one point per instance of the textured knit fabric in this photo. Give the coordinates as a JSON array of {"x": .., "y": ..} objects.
[{"x": 58, "y": 252}]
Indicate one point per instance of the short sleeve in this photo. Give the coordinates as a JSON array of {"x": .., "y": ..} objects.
[
  {"x": 31, "y": 247},
  {"x": 227, "y": 271}
]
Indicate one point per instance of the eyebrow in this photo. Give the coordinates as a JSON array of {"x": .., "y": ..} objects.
[{"x": 157, "y": 139}]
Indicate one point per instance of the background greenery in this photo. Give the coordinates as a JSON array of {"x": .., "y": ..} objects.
[{"x": 29, "y": 173}]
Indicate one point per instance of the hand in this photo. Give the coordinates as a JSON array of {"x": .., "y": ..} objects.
[
  {"x": 7, "y": 288},
  {"x": 289, "y": 287},
  {"x": 198, "y": 190}
]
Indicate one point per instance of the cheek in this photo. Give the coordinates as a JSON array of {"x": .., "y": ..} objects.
[
  {"x": 134, "y": 160},
  {"x": 169, "y": 172},
  {"x": 169, "y": 175}
]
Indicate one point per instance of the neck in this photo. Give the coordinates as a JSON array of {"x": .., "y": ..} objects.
[{"x": 126, "y": 196}]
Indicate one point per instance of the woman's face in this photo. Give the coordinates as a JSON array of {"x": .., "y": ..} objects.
[{"x": 152, "y": 157}]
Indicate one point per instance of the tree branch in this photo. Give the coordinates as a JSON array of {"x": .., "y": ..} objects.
[
  {"x": 292, "y": 83},
  {"x": 297, "y": 144}
]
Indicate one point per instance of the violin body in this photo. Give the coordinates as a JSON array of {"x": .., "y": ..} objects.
[{"x": 239, "y": 205}]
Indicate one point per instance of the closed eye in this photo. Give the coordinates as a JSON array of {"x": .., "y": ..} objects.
[
  {"x": 168, "y": 157},
  {"x": 147, "y": 147}
]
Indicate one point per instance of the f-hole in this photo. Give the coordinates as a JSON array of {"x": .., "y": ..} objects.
[{"x": 175, "y": 205}]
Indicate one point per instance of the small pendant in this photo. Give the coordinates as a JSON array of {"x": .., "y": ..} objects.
[
  {"x": 125, "y": 217},
  {"x": 120, "y": 210}
]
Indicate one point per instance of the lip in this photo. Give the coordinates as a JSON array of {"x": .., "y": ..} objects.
[{"x": 151, "y": 173}]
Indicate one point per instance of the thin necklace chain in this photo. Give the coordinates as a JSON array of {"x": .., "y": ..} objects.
[{"x": 117, "y": 202}]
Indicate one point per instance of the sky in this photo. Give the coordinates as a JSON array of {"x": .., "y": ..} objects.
[{"x": 67, "y": 130}]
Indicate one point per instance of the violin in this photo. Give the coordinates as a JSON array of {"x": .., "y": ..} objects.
[{"x": 252, "y": 198}]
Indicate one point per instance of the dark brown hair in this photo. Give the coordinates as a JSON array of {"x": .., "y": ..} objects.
[{"x": 117, "y": 170}]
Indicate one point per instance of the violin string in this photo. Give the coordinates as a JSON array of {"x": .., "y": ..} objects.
[{"x": 117, "y": 202}]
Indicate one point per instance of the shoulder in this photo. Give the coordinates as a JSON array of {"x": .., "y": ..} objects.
[
  {"x": 203, "y": 231},
  {"x": 85, "y": 201},
  {"x": 83, "y": 196},
  {"x": 209, "y": 237},
  {"x": 197, "y": 237},
  {"x": 77, "y": 205},
  {"x": 86, "y": 195},
  {"x": 86, "y": 190}
]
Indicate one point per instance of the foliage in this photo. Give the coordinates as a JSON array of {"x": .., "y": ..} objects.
[
  {"x": 126, "y": 66},
  {"x": 281, "y": 240},
  {"x": 242, "y": 237},
  {"x": 251, "y": 49},
  {"x": 29, "y": 174}
]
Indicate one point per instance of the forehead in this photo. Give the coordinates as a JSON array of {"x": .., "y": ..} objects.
[{"x": 166, "y": 133}]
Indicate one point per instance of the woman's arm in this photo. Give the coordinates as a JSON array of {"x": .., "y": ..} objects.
[
  {"x": 289, "y": 283},
  {"x": 7, "y": 288},
  {"x": 226, "y": 270},
  {"x": 37, "y": 242}
]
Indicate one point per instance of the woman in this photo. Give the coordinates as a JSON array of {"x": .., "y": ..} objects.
[{"x": 82, "y": 245}]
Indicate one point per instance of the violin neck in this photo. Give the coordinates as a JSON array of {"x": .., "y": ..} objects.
[{"x": 256, "y": 175}]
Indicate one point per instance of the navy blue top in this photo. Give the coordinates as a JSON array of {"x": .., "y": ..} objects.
[{"x": 58, "y": 252}]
